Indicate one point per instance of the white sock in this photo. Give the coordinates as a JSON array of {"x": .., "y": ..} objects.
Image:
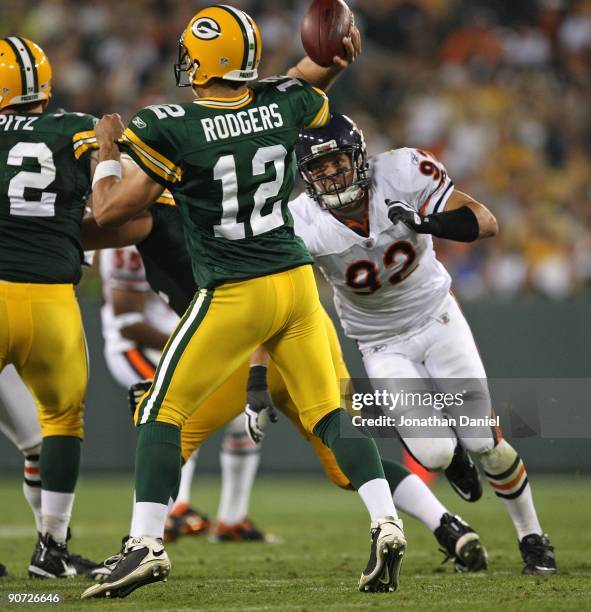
[
  {"x": 523, "y": 514},
  {"x": 238, "y": 474},
  {"x": 184, "y": 496},
  {"x": 169, "y": 509},
  {"x": 148, "y": 519},
  {"x": 32, "y": 484},
  {"x": 415, "y": 498},
  {"x": 377, "y": 498},
  {"x": 506, "y": 474},
  {"x": 56, "y": 510}
]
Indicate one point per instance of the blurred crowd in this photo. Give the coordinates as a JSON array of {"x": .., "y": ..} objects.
[{"x": 499, "y": 90}]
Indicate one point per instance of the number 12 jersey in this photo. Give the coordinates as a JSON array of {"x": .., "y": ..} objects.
[{"x": 230, "y": 166}]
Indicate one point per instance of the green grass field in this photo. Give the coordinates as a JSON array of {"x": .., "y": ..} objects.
[{"x": 325, "y": 532}]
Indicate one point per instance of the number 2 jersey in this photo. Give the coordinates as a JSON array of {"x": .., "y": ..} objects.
[
  {"x": 230, "y": 165},
  {"x": 390, "y": 281},
  {"x": 44, "y": 184}
]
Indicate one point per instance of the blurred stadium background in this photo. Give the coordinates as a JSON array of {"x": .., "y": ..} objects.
[{"x": 498, "y": 89}]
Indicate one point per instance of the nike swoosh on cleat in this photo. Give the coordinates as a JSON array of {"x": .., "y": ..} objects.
[{"x": 461, "y": 493}]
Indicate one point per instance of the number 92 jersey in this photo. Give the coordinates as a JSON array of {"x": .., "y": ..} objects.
[
  {"x": 389, "y": 282},
  {"x": 44, "y": 184},
  {"x": 229, "y": 164}
]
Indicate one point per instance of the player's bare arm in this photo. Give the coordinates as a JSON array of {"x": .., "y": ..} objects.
[
  {"x": 94, "y": 237},
  {"x": 487, "y": 222},
  {"x": 128, "y": 302},
  {"x": 324, "y": 78},
  {"x": 115, "y": 199}
]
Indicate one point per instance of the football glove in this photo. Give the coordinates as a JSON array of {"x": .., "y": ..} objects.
[
  {"x": 259, "y": 404},
  {"x": 401, "y": 212},
  {"x": 458, "y": 224},
  {"x": 136, "y": 392}
]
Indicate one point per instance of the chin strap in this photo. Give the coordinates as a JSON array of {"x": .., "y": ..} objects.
[{"x": 339, "y": 200}]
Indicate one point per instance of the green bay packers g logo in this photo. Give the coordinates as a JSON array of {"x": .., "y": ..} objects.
[{"x": 206, "y": 28}]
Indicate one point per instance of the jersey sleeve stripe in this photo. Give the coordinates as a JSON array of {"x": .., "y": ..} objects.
[
  {"x": 82, "y": 142},
  {"x": 140, "y": 363},
  {"x": 166, "y": 199},
  {"x": 79, "y": 152},
  {"x": 83, "y": 135},
  {"x": 322, "y": 116},
  {"x": 443, "y": 199},
  {"x": 155, "y": 161}
]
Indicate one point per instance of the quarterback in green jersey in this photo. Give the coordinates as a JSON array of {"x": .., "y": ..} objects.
[
  {"x": 228, "y": 159},
  {"x": 45, "y": 176}
]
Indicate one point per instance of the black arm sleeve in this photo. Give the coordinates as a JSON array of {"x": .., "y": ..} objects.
[{"x": 460, "y": 224}]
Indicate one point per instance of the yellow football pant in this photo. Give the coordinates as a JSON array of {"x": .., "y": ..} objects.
[
  {"x": 223, "y": 327},
  {"x": 41, "y": 334},
  {"x": 229, "y": 400}
]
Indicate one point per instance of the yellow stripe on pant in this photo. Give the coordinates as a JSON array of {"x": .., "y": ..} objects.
[
  {"x": 229, "y": 400},
  {"x": 41, "y": 334},
  {"x": 223, "y": 327}
]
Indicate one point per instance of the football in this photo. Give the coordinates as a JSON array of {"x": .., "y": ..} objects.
[{"x": 324, "y": 25}]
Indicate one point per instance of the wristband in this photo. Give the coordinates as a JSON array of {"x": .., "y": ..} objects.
[
  {"x": 257, "y": 378},
  {"x": 110, "y": 167}
]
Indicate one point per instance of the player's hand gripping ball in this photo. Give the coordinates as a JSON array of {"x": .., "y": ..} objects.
[{"x": 325, "y": 25}]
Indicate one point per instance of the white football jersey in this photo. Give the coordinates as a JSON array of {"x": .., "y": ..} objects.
[
  {"x": 124, "y": 269},
  {"x": 389, "y": 282}
]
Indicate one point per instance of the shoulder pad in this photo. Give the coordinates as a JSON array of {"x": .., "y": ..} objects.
[{"x": 415, "y": 176}]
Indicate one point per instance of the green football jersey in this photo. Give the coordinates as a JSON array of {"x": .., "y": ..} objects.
[
  {"x": 44, "y": 184},
  {"x": 230, "y": 166}
]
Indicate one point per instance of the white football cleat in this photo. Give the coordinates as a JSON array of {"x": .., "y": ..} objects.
[
  {"x": 387, "y": 550},
  {"x": 142, "y": 562}
]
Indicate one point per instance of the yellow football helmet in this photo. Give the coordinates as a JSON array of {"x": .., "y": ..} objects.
[
  {"x": 25, "y": 72},
  {"x": 220, "y": 41}
]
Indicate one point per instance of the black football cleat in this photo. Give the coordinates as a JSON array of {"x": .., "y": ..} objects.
[
  {"x": 3, "y": 571},
  {"x": 461, "y": 544},
  {"x": 538, "y": 555},
  {"x": 142, "y": 562},
  {"x": 51, "y": 560},
  {"x": 463, "y": 475},
  {"x": 83, "y": 566},
  {"x": 387, "y": 551}
]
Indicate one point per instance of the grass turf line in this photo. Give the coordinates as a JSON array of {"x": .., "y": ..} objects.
[{"x": 326, "y": 547}]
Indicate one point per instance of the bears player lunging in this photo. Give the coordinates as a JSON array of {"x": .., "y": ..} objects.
[{"x": 369, "y": 228}]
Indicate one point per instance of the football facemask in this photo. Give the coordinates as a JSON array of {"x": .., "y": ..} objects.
[{"x": 345, "y": 185}]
